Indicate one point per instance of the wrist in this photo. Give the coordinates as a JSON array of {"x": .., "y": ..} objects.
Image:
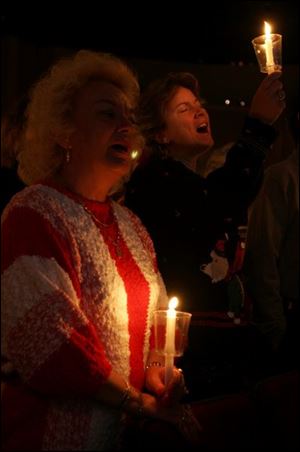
[
  {"x": 125, "y": 396},
  {"x": 132, "y": 401}
]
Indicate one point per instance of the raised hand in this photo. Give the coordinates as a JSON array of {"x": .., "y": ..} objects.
[{"x": 268, "y": 101}]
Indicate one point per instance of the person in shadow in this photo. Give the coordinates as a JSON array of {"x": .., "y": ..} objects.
[{"x": 194, "y": 221}]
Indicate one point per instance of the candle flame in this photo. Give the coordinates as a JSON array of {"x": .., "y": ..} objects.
[
  {"x": 173, "y": 303},
  {"x": 267, "y": 30}
]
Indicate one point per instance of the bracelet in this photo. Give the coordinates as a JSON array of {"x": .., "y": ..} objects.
[
  {"x": 153, "y": 364},
  {"x": 140, "y": 411},
  {"x": 135, "y": 406},
  {"x": 125, "y": 396}
]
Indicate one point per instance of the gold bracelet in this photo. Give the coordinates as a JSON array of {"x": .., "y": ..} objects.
[
  {"x": 140, "y": 411},
  {"x": 153, "y": 364},
  {"x": 125, "y": 396}
]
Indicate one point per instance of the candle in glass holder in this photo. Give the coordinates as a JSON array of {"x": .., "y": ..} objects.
[{"x": 268, "y": 51}]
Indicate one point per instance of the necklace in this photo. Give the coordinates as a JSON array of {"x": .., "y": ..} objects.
[
  {"x": 115, "y": 242},
  {"x": 104, "y": 225}
]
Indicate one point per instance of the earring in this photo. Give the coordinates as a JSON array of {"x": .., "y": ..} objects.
[
  {"x": 68, "y": 154},
  {"x": 163, "y": 150}
]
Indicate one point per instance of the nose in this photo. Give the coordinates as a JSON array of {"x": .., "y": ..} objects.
[
  {"x": 125, "y": 124},
  {"x": 124, "y": 129},
  {"x": 198, "y": 111}
]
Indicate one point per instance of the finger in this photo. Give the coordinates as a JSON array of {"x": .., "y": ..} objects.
[
  {"x": 176, "y": 381},
  {"x": 269, "y": 79},
  {"x": 155, "y": 381},
  {"x": 282, "y": 104},
  {"x": 281, "y": 94},
  {"x": 179, "y": 383},
  {"x": 274, "y": 87}
]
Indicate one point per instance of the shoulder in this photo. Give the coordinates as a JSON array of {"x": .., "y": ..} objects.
[{"x": 37, "y": 203}]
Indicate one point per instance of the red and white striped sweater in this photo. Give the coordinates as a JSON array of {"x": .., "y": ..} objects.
[{"x": 72, "y": 309}]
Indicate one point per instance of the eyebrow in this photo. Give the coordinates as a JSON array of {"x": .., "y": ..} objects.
[
  {"x": 113, "y": 104},
  {"x": 106, "y": 101},
  {"x": 188, "y": 102}
]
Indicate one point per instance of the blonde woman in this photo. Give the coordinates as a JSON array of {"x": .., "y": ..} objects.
[{"x": 79, "y": 275}]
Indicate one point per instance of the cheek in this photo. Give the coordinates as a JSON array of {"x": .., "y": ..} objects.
[
  {"x": 97, "y": 139},
  {"x": 178, "y": 128},
  {"x": 184, "y": 129}
]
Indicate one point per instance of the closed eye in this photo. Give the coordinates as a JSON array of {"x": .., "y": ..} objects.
[
  {"x": 109, "y": 114},
  {"x": 183, "y": 108}
]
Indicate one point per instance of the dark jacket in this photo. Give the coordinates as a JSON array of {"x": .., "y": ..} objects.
[{"x": 186, "y": 215}]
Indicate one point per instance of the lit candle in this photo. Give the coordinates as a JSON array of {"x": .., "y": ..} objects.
[
  {"x": 269, "y": 49},
  {"x": 170, "y": 339}
]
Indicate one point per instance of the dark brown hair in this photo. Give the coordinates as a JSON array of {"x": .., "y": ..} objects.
[{"x": 154, "y": 100}]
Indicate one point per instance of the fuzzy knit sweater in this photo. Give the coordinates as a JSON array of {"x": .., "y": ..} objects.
[{"x": 77, "y": 301}]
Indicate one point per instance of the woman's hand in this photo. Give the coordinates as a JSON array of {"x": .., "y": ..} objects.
[
  {"x": 181, "y": 416},
  {"x": 268, "y": 101},
  {"x": 170, "y": 394}
]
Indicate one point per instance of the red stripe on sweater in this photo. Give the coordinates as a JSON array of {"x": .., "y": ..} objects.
[
  {"x": 138, "y": 294},
  {"x": 38, "y": 238}
]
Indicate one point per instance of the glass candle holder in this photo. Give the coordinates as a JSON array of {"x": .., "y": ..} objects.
[
  {"x": 182, "y": 324},
  {"x": 263, "y": 47}
]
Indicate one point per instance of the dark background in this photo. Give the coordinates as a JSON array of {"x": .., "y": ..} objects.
[
  {"x": 211, "y": 40},
  {"x": 195, "y": 32}
]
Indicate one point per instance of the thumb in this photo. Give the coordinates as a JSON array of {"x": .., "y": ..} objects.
[{"x": 156, "y": 383}]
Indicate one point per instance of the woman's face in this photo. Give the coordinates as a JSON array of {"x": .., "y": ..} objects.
[
  {"x": 104, "y": 135},
  {"x": 187, "y": 130}
]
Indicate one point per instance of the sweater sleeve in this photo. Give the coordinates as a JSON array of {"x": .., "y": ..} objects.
[
  {"x": 47, "y": 338},
  {"x": 234, "y": 186}
]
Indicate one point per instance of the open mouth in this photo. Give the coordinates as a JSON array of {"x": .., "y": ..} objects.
[
  {"x": 123, "y": 151},
  {"x": 119, "y": 148},
  {"x": 118, "y": 153},
  {"x": 203, "y": 128}
]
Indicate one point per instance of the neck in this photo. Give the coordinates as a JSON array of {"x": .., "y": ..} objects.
[
  {"x": 89, "y": 186},
  {"x": 188, "y": 158},
  {"x": 190, "y": 163}
]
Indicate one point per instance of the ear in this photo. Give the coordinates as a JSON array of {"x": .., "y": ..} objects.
[{"x": 64, "y": 142}]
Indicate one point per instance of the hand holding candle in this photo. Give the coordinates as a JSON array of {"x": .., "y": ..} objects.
[{"x": 170, "y": 333}]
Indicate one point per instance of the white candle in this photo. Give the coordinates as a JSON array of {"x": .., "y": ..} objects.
[
  {"x": 269, "y": 49},
  {"x": 170, "y": 339}
]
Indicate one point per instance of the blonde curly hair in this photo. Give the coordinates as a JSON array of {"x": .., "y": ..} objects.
[{"x": 49, "y": 112}]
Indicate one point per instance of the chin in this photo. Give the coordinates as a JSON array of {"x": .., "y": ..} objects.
[{"x": 121, "y": 168}]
